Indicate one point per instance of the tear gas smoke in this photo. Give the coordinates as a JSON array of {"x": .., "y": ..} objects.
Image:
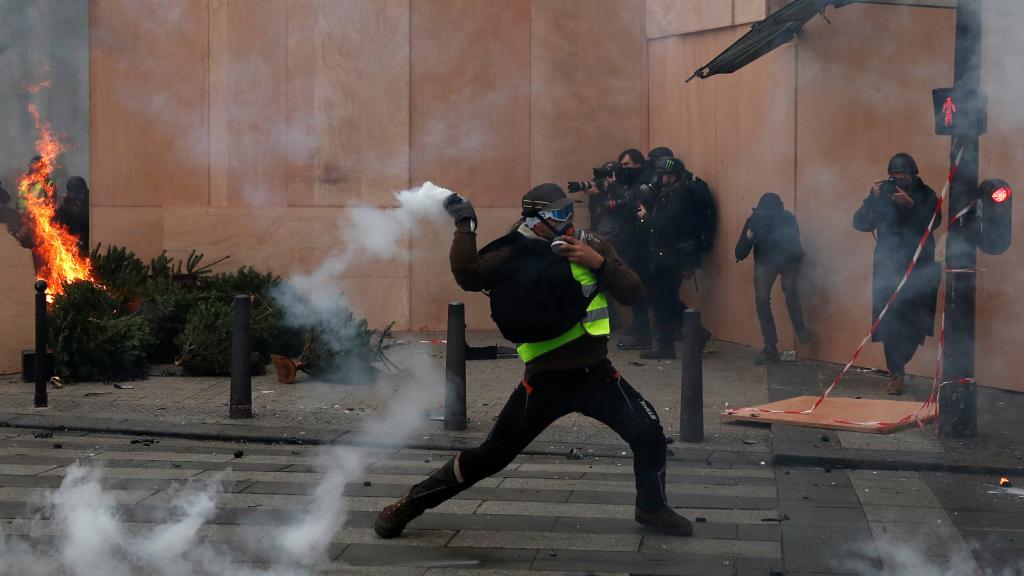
[
  {"x": 366, "y": 233},
  {"x": 909, "y": 559},
  {"x": 93, "y": 540}
]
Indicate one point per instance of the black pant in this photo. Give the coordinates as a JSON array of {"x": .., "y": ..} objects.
[
  {"x": 764, "y": 279},
  {"x": 897, "y": 353},
  {"x": 597, "y": 391},
  {"x": 633, "y": 251},
  {"x": 668, "y": 306}
]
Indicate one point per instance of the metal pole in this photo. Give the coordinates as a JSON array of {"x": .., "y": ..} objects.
[
  {"x": 241, "y": 367},
  {"x": 691, "y": 402},
  {"x": 958, "y": 402},
  {"x": 41, "y": 371},
  {"x": 455, "y": 369}
]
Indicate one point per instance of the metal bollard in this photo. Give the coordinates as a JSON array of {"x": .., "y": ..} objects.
[
  {"x": 455, "y": 369},
  {"x": 241, "y": 368},
  {"x": 691, "y": 402},
  {"x": 41, "y": 371}
]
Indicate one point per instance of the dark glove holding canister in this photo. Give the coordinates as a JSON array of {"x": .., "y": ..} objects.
[{"x": 460, "y": 210}]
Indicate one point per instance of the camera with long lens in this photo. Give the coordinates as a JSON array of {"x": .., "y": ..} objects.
[{"x": 601, "y": 175}]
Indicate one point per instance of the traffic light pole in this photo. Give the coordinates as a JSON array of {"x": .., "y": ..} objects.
[{"x": 958, "y": 397}]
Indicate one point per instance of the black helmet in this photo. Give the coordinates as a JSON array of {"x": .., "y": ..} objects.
[
  {"x": 670, "y": 165},
  {"x": 904, "y": 163},
  {"x": 660, "y": 152}
]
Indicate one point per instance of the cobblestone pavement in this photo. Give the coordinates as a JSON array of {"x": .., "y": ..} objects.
[{"x": 542, "y": 514}]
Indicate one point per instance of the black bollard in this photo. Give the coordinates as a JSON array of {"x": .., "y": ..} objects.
[
  {"x": 41, "y": 372},
  {"x": 241, "y": 367},
  {"x": 455, "y": 369},
  {"x": 691, "y": 403}
]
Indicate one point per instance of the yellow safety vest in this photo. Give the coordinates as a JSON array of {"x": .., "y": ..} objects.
[{"x": 594, "y": 323}]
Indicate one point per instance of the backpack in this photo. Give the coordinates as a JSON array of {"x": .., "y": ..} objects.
[
  {"x": 706, "y": 219},
  {"x": 535, "y": 296}
]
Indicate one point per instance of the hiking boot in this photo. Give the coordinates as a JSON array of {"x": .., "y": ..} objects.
[
  {"x": 393, "y": 519},
  {"x": 896, "y": 385},
  {"x": 769, "y": 355},
  {"x": 659, "y": 354},
  {"x": 444, "y": 483},
  {"x": 635, "y": 344},
  {"x": 805, "y": 336},
  {"x": 665, "y": 521}
]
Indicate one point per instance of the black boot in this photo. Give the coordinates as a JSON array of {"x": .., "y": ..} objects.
[
  {"x": 769, "y": 355},
  {"x": 665, "y": 521},
  {"x": 440, "y": 486}
]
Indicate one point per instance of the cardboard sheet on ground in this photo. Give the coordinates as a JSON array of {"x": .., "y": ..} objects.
[{"x": 853, "y": 414}]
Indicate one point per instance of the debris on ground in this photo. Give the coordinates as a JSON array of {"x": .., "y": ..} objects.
[
  {"x": 121, "y": 386},
  {"x": 575, "y": 454},
  {"x": 239, "y": 453},
  {"x": 43, "y": 434}
]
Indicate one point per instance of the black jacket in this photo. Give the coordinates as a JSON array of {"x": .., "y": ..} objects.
[
  {"x": 775, "y": 234},
  {"x": 671, "y": 222},
  {"x": 898, "y": 232}
]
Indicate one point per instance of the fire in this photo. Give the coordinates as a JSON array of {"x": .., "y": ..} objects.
[{"x": 56, "y": 249}]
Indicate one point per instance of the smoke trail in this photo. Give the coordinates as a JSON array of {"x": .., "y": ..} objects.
[
  {"x": 310, "y": 536},
  {"x": 92, "y": 539},
  {"x": 366, "y": 233}
]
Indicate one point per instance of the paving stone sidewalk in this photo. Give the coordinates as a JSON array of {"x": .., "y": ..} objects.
[{"x": 313, "y": 412}]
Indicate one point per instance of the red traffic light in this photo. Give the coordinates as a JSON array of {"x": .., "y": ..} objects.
[{"x": 1001, "y": 194}]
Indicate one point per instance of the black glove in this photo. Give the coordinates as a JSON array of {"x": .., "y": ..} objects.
[{"x": 460, "y": 209}]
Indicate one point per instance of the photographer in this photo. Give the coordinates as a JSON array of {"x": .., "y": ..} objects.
[
  {"x": 597, "y": 191},
  {"x": 622, "y": 228},
  {"x": 672, "y": 220},
  {"x": 898, "y": 211},
  {"x": 774, "y": 235}
]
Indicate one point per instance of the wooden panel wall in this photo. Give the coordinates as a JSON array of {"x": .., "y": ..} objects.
[
  {"x": 671, "y": 17},
  {"x": 859, "y": 103},
  {"x": 17, "y": 304},
  {"x": 470, "y": 131},
  {"x": 742, "y": 146},
  {"x": 148, "y": 76},
  {"x": 314, "y": 104}
]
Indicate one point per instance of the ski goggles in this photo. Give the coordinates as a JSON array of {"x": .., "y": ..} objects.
[{"x": 560, "y": 214}]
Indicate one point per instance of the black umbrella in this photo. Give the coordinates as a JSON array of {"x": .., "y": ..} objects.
[{"x": 765, "y": 36}]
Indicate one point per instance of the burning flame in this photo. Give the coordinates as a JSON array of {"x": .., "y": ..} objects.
[{"x": 56, "y": 249}]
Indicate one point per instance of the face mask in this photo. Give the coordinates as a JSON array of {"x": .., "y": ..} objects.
[
  {"x": 626, "y": 175},
  {"x": 903, "y": 182}
]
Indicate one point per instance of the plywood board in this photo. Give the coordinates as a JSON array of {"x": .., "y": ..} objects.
[
  {"x": 139, "y": 229},
  {"x": 852, "y": 414},
  {"x": 361, "y": 101},
  {"x": 670, "y": 17},
  {"x": 851, "y": 117},
  {"x": 17, "y": 297},
  {"x": 149, "y": 134},
  {"x": 588, "y": 86},
  {"x": 471, "y": 98},
  {"x": 292, "y": 241},
  {"x": 248, "y": 107}
]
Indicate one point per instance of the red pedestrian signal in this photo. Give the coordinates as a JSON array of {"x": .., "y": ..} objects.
[
  {"x": 996, "y": 199},
  {"x": 960, "y": 112}
]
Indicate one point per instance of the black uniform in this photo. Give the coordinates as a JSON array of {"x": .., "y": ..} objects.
[
  {"x": 898, "y": 232},
  {"x": 775, "y": 239}
]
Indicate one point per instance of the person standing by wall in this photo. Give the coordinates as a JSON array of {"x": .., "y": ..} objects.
[
  {"x": 898, "y": 211},
  {"x": 774, "y": 235}
]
